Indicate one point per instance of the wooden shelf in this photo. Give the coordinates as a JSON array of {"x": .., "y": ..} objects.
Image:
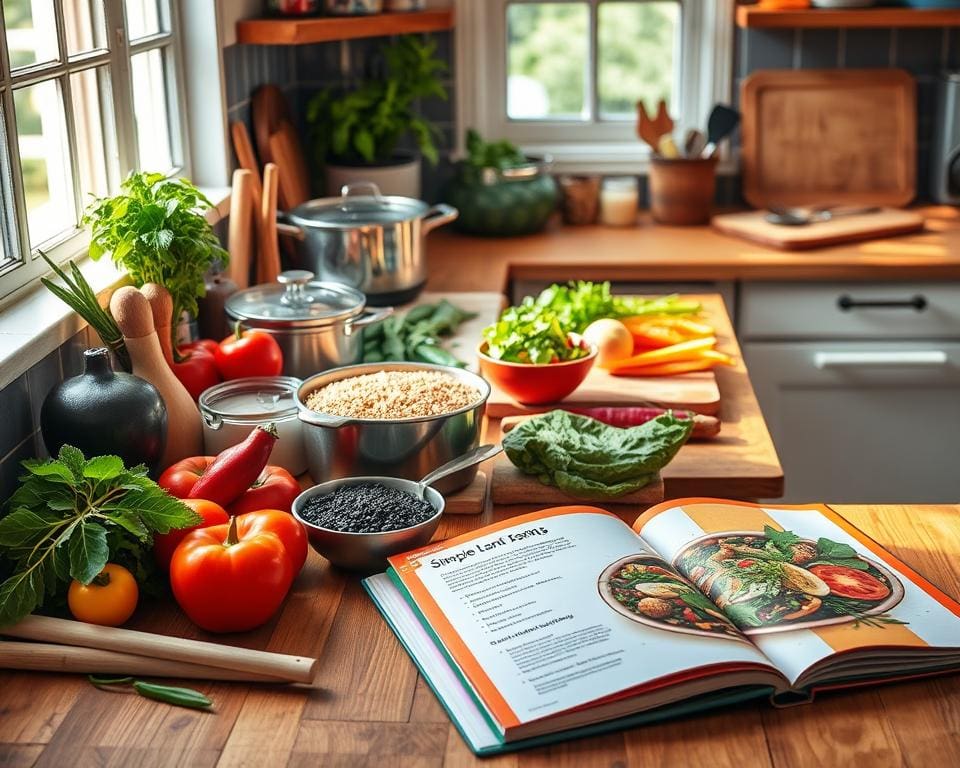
[
  {"x": 751, "y": 16},
  {"x": 300, "y": 31}
]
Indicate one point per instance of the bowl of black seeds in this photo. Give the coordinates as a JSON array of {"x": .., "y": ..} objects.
[{"x": 358, "y": 522}]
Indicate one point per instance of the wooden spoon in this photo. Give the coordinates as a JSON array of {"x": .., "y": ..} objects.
[{"x": 268, "y": 264}]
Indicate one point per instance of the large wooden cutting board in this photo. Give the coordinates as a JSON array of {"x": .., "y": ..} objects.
[
  {"x": 829, "y": 137},
  {"x": 751, "y": 225},
  {"x": 691, "y": 391},
  {"x": 511, "y": 486}
]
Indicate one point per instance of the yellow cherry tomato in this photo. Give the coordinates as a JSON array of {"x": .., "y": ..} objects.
[{"x": 110, "y": 599}]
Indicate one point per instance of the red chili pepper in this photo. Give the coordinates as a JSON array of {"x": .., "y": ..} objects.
[
  {"x": 745, "y": 563},
  {"x": 237, "y": 468},
  {"x": 689, "y": 615}
]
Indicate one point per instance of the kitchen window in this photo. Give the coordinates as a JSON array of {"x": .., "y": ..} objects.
[
  {"x": 88, "y": 91},
  {"x": 564, "y": 76}
]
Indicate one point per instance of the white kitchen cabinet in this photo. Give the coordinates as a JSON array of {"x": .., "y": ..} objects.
[{"x": 863, "y": 402}]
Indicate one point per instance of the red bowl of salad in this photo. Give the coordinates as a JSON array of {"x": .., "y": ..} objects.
[{"x": 536, "y": 383}]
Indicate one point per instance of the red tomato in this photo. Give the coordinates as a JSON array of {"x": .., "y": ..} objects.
[
  {"x": 179, "y": 478},
  {"x": 198, "y": 371},
  {"x": 165, "y": 543},
  {"x": 275, "y": 489},
  {"x": 745, "y": 563},
  {"x": 851, "y": 583},
  {"x": 207, "y": 344},
  {"x": 286, "y": 527},
  {"x": 250, "y": 353},
  {"x": 233, "y": 578}
]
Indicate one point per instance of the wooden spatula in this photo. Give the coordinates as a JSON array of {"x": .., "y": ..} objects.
[
  {"x": 651, "y": 129},
  {"x": 268, "y": 263},
  {"x": 286, "y": 153},
  {"x": 242, "y": 232}
]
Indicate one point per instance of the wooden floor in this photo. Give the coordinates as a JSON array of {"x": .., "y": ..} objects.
[{"x": 368, "y": 706}]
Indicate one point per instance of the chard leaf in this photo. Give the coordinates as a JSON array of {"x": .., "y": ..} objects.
[
  {"x": 103, "y": 468},
  {"x": 88, "y": 552}
]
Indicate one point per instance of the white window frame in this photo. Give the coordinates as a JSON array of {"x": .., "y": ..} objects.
[
  {"x": 122, "y": 153},
  {"x": 704, "y": 79}
]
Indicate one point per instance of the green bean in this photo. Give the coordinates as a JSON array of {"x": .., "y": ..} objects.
[
  {"x": 418, "y": 313},
  {"x": 180, "y": 697},
  {"x": 431, "y": 353},
  {"x": 374, "y": 356}
]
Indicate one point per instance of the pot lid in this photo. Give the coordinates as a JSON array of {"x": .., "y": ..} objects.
[
  {"x": 296, "y": 300},
  {"x": 351, "y": 210},
  {"x": 256, "y": 399}
]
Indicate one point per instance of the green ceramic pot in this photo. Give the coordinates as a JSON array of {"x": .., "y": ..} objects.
[{"x": 502, "y": 203}]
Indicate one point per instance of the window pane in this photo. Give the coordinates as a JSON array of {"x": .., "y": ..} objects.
[
  {"x": 84, "y": 25},
  {"x": 144, "y": 18},
  {"x": 548, "y": 61},
  {"x": 636, "y": 55},
  {"x": 94, "y": 135},
  {"x": 150, "y": 111},
  {"x": 31, "y": 32},
  {"x": 44, "y": 160}
]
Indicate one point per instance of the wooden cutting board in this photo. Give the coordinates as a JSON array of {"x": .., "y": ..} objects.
[
  {"x": 751, "y": 225},
  {"x": 469, "y": 500},
  {"x": 511, "y": 486},
  {"x": 691, "y": 391},
  {"x": 829, "y": 136}
]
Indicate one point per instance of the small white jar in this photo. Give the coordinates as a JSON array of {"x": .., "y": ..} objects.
[
  {"x": 619, "y": 200},
  {"x": 232, "y": 410}
]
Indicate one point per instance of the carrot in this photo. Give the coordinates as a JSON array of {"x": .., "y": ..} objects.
[
  {"x": 692, "y": 328},
  {"x": 719, "y": 357},
  {"x": 682, "y": 351},
  {"x": 655, "y": 336},
  {"x": 667, "y": 369}
]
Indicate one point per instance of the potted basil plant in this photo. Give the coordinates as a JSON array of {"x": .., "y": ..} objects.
[{"x": 356, "y": 134}]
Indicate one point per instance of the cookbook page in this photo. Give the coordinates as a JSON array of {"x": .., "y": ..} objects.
[
  {"x": 555, "y": 609},
  {"x": 800, "y": 581}
]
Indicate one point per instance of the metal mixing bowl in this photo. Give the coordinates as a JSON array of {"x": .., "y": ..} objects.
[
  {"x": 367, "y": 551},
  {"x": 409, "y": 448}
]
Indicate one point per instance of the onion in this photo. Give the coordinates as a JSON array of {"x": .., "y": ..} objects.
[{"x": 612, "y": 339}]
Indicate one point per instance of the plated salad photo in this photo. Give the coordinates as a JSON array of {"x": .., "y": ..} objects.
[
  {"x": 776, "y": 581},
  {"x": 647, "y": 590}
]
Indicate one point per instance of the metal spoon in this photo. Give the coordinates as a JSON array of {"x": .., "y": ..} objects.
[
  {"x": 471, "y": 457},
  {"x": 798, "y": 217}
]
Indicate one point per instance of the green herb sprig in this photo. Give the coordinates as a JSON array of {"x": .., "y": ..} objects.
[
  {"x": 69, "y": 517},
  {"x": 155, "y": 229},
  {"x": 169, "y": 694}
]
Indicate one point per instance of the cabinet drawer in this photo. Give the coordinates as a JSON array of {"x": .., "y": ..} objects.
[{"x": 850, "y": 311}]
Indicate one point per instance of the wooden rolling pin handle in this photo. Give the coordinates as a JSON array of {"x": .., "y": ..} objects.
[
  {"x": 275, "y": 665},
  {"x": 49, "y": 657}
]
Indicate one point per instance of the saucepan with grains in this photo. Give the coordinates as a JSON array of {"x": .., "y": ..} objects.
[{"x": 392, "y": 419}]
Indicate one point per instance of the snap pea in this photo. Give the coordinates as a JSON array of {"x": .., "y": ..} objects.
[
  {"x": 415, "y": 335},
  {"x": 418, "y": 313},
  {"x": 180, "y": 697}
]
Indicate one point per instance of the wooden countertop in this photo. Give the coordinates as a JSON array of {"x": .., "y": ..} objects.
[
  {"x": 651, "y": 252},
  {"x": 369, "y": 707}
]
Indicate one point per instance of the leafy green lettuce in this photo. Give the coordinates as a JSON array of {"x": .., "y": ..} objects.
[{"x": 590, "y": 460}]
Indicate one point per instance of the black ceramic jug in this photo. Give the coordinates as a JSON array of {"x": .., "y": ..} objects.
[{"x": 105, "y": 412}]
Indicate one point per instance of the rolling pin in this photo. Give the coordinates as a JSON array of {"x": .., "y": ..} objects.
[
  {"x": 278, "y": 666},
  {"x": 134, "y": 315},
  {"x": 704, "y": 427},
  {"x": 50, "y": 657}
]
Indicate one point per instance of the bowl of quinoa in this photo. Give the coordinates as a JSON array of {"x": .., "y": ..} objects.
[{"x": 391, "y": 419}]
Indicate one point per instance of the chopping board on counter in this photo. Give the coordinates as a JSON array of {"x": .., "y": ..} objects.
[
  {"x": 511, "y": 486},
  {"x": 692, "y": 392},
  {"x": 751, "y": 225},
  {"x": 829, "y": 137}
]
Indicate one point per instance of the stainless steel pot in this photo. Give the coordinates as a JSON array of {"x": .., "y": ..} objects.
[
  {"x": 371, "y": 242},
  {"x": 407, "y": 448},
  {"x": 317, "y": 325}
]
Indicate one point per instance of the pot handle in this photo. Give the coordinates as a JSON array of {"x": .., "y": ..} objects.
[
  {"x": 369, "y": 318},
  {"x": 286, "y": 228},
  {"x": 321, "y": 419},
  {"x": 437, "y": 216}
]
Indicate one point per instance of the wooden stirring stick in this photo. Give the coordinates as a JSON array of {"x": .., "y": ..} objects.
[{"x": 268, "y": 264}]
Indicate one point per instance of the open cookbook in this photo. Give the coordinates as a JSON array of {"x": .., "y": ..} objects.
[{"x": 567, "y": 622}]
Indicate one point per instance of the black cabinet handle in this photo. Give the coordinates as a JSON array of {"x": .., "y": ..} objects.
[{"x": 917, "y": 303}]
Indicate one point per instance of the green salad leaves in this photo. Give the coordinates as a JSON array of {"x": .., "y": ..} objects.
[
  {"x": 590, "y": 460},
  {"x": 537, "y": 330},
  {"x": 69, "y": 517}
]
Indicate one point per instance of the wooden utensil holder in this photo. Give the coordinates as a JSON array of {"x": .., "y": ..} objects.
[{"x": 682, "y": 190}]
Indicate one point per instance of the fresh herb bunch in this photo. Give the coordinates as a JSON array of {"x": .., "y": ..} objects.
[
  {"x": 79, "y": 296},
  {"x": 69, "y": 517},
  {"x": 367, "y": 123},
  {"x": 156, "y": 230},
  {"x": 493, "y": 154}
]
